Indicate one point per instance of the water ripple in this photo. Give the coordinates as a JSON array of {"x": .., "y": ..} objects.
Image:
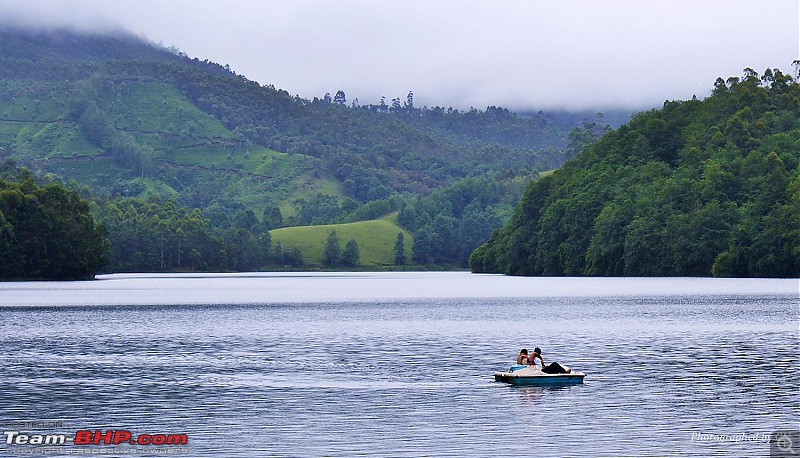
[{"x": 412, "y": 378}]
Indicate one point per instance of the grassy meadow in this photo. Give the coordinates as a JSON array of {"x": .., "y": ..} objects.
[{"x": 375, "y": 238}]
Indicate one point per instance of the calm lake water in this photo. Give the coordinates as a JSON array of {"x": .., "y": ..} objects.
[{"x": 400, "y": 364}]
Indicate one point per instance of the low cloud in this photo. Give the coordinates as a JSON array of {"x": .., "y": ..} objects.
[
  {"x": 517, "y": 53},
  {"x": 76, "y": 16}
]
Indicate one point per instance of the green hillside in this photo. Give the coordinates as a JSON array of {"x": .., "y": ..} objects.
[
  {"x": 697, "y": 188},
  {"x": 131, "y": 120},
  {"x": 376, "y": 240},
  {"x": 184, "y": 151}
]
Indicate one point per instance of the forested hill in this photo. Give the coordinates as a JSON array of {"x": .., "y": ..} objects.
[
  {"x": 165, "y": 142},
  {"x": 696, "y": 188},
  {"x": 157, "y": 114}
]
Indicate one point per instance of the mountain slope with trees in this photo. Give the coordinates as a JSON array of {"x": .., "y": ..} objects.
[
  {"x": 135, "y": 110},
  {"x": 697, "y": 188},
  {"x": 46, "y": 232},
  {"x": 132, "y": 120}
]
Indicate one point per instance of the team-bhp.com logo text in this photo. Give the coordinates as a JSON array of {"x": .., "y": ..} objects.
[{"x": 84, "y": 437}]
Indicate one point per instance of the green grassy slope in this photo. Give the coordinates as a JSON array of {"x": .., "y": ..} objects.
[
  {"x": 192, "y": 152},
  {"x": 375, "y": 238}
]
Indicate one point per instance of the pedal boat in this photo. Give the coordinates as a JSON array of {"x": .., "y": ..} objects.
[{"x": 531, "y": 375}]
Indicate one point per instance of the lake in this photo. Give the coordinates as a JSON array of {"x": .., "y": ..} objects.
[{"x": 399, "y": 364}]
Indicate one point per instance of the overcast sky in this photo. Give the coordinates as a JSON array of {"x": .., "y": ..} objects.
[{"x": 522, "y": 54}]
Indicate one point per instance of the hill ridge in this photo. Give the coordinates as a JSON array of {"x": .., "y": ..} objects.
[
  {"x": 697, "y": 188},
  {"x": 129, "y": 119}
]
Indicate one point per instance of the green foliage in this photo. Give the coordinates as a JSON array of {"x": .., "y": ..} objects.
[
  {"x": 375, "y": 239},
  {"x": 332, "y": 253},
  {"x": 272, "y": 218},
  {"x": 317, "y": 209},
  {"x": 400, "y": 250},
  {"x": 450, "y": 223},
  {"x": 155, "y": 236},
  {"x": 697, "y": 188},
  {"x": 152, "y": 110},
  {"x": 47, "y": 232},
  {"x": 178, "y": 135},
  {"x": 351, "y": 255},
  {"x": 151, "y": 236}
]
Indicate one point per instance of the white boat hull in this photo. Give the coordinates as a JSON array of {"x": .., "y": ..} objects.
[{"x": 532, "y": 375}]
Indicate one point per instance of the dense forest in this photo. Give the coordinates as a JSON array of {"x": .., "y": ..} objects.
[
  {"x": 696, "y": 188},
  {"x": 49, "y": 230},
  {"x": 186, "y": 159},
  {"x": 450, "y": 222},
  {"x": 46, "y": 232}
]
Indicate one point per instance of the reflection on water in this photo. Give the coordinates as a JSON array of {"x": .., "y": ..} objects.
[
  {"x": 263, "y": 288},
  {"x": 407, "y": 377},
  {"x": 536, "y": 394}
]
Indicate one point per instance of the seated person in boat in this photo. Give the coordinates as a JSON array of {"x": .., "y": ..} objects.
[
  {"x": 522, "y": 357},
  {"x": 532, "y": 358},
  {"x": 552, "y": 368}
]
